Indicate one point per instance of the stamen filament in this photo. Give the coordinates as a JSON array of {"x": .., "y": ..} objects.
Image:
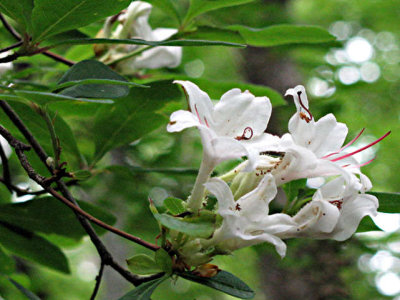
[{"x": 345, "y": 146}]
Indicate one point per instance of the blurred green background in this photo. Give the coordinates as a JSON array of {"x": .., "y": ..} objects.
[{"x": 357, "y": 79}]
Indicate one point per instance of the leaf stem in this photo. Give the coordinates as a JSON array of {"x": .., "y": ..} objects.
[{"x": 129, "y": 55}]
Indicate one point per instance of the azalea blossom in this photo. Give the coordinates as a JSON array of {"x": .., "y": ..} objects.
[
  {"x": 335, "y": 210},
  {"x": 247, "y": 221},
  {"x": 226, "y": 129},
  {"x": 134, "y": 24}
]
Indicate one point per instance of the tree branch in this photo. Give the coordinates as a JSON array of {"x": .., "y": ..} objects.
[
  {"x": 98, "y": 281},
  {"x": 58, "y": 58},
  {"x": 6, "y": 169},
  {"x": 9, "y": 28},
  {"x": 16, "y": 45}
]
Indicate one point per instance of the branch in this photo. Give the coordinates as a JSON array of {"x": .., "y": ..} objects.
[
  {"x": 98, "y": 281},
  {"x": 9, "y": 28},
  {"x": 16, "y": 45},
  {"x": 58, "y": 58},
  {"x": 6, "y": 169}
]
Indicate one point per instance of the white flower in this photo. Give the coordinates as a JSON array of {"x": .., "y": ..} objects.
[
  {"x": 134, "y": 24},
  {"x": 247, "y": 221},
  {"x": 4, "y": 67},
  {"x": 6, "y": 147},
  {"x": 335, "y": 210}
]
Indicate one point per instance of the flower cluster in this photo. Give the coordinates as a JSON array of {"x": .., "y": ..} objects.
[{"x": 235, "y": 127}]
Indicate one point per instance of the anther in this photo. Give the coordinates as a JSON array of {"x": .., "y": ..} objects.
[
  {"x": 247, "y": 134},
  {"x": 303, "y": 115}
]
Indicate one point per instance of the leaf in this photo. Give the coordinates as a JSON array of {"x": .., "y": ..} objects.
[
  {"x": 277, "y": 35},
  {"x": 23, "y": 290},
  {"x": 7, "y": 264},
  {"x": 388, "y": 202},
  {"x": 43, "y": 98},
  {"x": 136, "y": 169},
  {"x": 367, "y": 224},
  {"x": 198, "y": 7},
  {"x": 214, "y": 34},
  {"x": 93, "y": 79},
  {"x": 132, "y": 117},
  {"x": 31, "y": 246},
  {"x": 168, "y": 7},
  {"x": 163, "y": 260},
  {"x": 174, "y": 205},
  {"x": 48, "y": 215},
  {"x": 144, "y": 291},
  {"x": 292, "y": 188},
  {"x": 224, "y": 282},
  {"x": 19, "y": 10},
  {"x": 142, "y": 264},
  {"x": 178, "y": 42},
  {"x": 50, "y": 17},
  {"x": 202, "y": 226}
]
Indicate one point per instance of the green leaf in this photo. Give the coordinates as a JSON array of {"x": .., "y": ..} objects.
[
  {"x": 198, "y": 7},
  {"x": 163, "y": 260},
  {"x": 144, "y": 291},
  {"x": 48, "y": 215},
  {"x": 367, "y": 224},
  {"x": 202, "y": 226},
  {"x": 142, "y": 264},
  {"x": 81, "y": 174},
  {"x": 7, "y": 264},
  {"x": 132, "y": 117},
  {"x": 93, "y": 79},
  {"x": 50, "y": 17},
  {"x": 43, "y": 98},
  {"x": 277, "y": 35},
  {"x": 214, "y": 34},
  {"x": 23, "y": 290},
  {"x": 174, "y": 205},
  {"x": 19, "y": 10},
  {"x": 31, "y": 246},
  {"x": 183, "y": 43},
  {"x": 388, "y": 202},
  {"x": 168, "y": 7},
  {"x": 292, "y": 188},
  {"x": 135, "y": 169},
  {"x": 224, "y": 282}
]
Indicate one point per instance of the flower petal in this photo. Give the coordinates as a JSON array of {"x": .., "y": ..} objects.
[
  {"x": 223, "y": 193},
  {"x": 180, "y": 120}
]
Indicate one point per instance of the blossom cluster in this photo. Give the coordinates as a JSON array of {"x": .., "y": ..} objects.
[{"x": 236, "y": 127}]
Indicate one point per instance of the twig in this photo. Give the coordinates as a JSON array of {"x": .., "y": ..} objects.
[
  {"x": 9, "y": 58},
  {"x": 16, "y": 45},
  {"x": 9, "y": 28},
  {"x": 98, "y": 281},
  {"x": 6, "y": 169},
  {"x": 58, "y": 58}
]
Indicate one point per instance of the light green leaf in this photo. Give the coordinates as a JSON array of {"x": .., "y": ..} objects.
[
  {"x": 19, "y": 10},
  {"x": 174, "y": 205},
  {"x": 388, "y": 202},
  {"x": 163, "y": 260},
  {"x": 142, "y": 264},
  {"x": 277, "y": 35},
  {"x": 31, "y": 246},
  {"x": 292, "y": 188},
  {"x": 23, "y": 290},
  {"x": 168, "y": 7},
  {"x": 48, "y": 215},
  {"x": 202, "y": 226},
  {"x": 224, "y": 282},
  {"x": 198, "y": 7},
  {"x": 367, "y": 224},
  {"x": 93, "y": 79},
  {"x": 144, "y": 291},
  {"x": 7, "y": 264},
  {"x": 186, "y": 42},
  {"x": 132, "y": 117},
  {"x": 214, "y": 34},
  {"x": 50, "y": 17}
]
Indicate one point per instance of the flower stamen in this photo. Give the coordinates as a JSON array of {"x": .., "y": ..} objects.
[
  {"x": 247, "y": 134},
  {"x": 347, "y": 145},
  {"x": 303, "y": 115}
]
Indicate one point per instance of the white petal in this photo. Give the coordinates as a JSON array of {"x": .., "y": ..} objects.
[
  {"x": 294, "y": 93},
  {"x": 223, "y": 194},
  {"x": 239, "y": 110},
  {"x": 199, "y": 102},
  {"x": 225, "y": 148},
  {"x": 180, "y": 120},
  {"x": 159, "y": 57}
]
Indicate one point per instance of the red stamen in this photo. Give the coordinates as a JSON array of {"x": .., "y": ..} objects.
[
  {"x": 361, "y": 165},
  {"x": 197, "y": 113},
  {"x": 345, "y": 146},
  {"x": 243, "y": 136},
  {"x": 308, "y": 119},
  {"x": 361, "y": 149},
  {"x": 205, "y": 120}
]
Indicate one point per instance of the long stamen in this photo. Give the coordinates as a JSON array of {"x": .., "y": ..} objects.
[
  {"x": 197, "y": 113},
  {"x": 243, "y": 136},
  {"x": 361, "y": 149},
  {"x": 345, "y": 146},
  {"x": 308, "y": 119}
]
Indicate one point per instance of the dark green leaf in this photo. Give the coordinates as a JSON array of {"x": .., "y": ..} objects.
[
  {"x": 142, "y": 264},
  {"x": 43, "y": 98},
  {"x": 48, "y": 215},
  {"x": 367, "y": 224},
  {"x": 224, "y": 282},
  {"x": 163, "y": 260},
  {"x": 135, "y": 169},
  {"x": 283, "y": 34},
  {"x": 19, "y": 10},
  {"x": 388, "y": 202},
  {"x": 93, "y": 79},
  {"x": 174, "y": 205},
  {"x": 144, "y": 291},
  {"x": 198, "y": 7},
  {"x": 185, "y": 42},
  {"x": 50, "y": 17},
  {"x": 31, "y": 246},
  {"x": 214, "y": 34},
  {"x": 7, "y": 264},
  {"x": 168, "y": 7},
  {"x": 23, "y": 290},
  {"x": 202, "y": 226},
  {"x": 82, "y": 174},
  {"x": 132, "y": 117}
]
